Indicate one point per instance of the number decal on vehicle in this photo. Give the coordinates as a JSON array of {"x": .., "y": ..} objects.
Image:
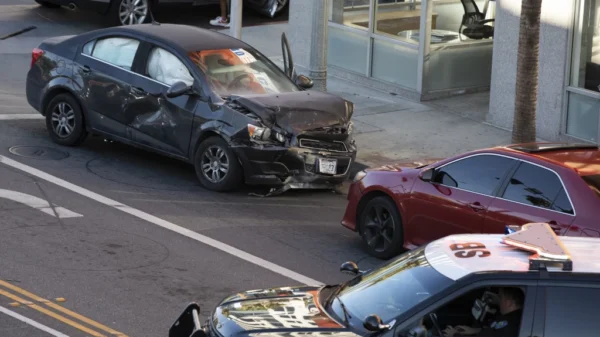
[{"x": 470, "y": 249}]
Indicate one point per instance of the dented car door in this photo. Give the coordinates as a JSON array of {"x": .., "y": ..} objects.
[{"x": 158, "y": 121}]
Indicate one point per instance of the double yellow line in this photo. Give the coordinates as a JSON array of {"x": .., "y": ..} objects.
[{"x": 33, "y": 299}]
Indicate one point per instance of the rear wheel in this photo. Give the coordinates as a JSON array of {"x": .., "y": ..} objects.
[
  {"x": 381, "y": 229},
  {"x": 64, "y": 121},
  {"x": 130, "y": 12},
  {"x": 217, "y": 166},
  {"x": 47, "y": 4}
]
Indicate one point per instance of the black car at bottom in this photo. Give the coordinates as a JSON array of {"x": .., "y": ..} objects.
[
  {"x": 482, "y": 285},
  {"x": 195, "y": 95}
]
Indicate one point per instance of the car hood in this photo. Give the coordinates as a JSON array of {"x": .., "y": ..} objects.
[
  {"x": 275, "y": 312},
  {"x": 399, "y": 167},
  {"x": 296, "y": 112}
]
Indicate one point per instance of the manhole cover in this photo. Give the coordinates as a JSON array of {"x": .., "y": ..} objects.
[{"x": 39, "y": 152}]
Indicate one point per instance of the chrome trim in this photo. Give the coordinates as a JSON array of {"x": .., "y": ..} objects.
[
  {"x": 499, "y": 197},
  {"x": 321, "y": 149}
]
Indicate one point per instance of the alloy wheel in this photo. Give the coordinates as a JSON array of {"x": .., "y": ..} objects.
[
  {"x": 63, "y": 120},
  {"x": 133, "y": 12},
  {"x": 215, "y": 164},
  {"x": 379, "y": 228}
]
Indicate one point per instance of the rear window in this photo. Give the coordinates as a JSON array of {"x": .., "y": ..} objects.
[{"x": 593, "y": 182}]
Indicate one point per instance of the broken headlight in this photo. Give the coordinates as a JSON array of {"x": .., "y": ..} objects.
[
  {"x": 359, "y": 176},
  {"x": 264, "y": 134}
]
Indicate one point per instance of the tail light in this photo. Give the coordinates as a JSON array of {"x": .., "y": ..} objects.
[{"x": 35, "y": 55}]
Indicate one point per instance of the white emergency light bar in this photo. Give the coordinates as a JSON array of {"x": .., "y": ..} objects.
[{"x": 540, "y": 239}]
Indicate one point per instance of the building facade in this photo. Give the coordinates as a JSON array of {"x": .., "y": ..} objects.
[{"x": 429, "y": 49}]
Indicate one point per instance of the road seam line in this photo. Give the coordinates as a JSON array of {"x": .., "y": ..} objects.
[
  {"x": 31, "y": 322},
  {"x": 161, "y": 222}
]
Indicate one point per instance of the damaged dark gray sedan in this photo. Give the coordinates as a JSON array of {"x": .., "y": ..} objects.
[{"x": 196, "y": 95}]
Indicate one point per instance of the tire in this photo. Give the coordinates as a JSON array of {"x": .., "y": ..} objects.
[
  {"x": 47, "y": 4},
  {"x": 65, "y": 110},
  {"x": 216, "y": 148},
  {"x": 120, "y": 7},
  {"x": 370, "y": 226}
]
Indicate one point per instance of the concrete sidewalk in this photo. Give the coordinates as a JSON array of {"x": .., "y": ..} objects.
[{"x": 389, "y": 128}]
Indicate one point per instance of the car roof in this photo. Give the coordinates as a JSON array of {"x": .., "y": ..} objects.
[
  {"x": 583, "y": 252},
  {"x": 187, "y": 37},
  {"x": 583, "y": 158}
]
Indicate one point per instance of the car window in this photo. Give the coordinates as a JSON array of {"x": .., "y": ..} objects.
[
  {"x": 167, "y": 68},
  {"x": 593, "y": 181},
  {"x": 535, "y": 186},
  {"x": 116, "y": 50},
  {"x": 393, "y": 288},
  {"x": 87, "y": 48},
  {"x": 562, "y": 203},
  {"x": 241, "y": 72},
  {"x": 580, "y": 303},
  {"x": 480, "y": 174}
]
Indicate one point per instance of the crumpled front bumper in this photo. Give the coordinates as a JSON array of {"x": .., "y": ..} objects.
[{"x": 295, "y": 166}]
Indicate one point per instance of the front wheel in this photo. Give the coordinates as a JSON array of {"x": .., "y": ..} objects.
[
  {"x": 47, "y": 4},
  {"x": 381, "y": 229},
  {"x": 217, "y": 166},
  {"x": 130, "y": 12}
]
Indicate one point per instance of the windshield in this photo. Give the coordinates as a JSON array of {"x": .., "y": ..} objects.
[
  {"x": 392, "y": 289},
  {"x": 241, "y": 72},
  {"x": 593, "y": 182}
]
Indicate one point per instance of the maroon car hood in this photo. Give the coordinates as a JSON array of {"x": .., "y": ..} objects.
[{"x": 397, "y": 167}]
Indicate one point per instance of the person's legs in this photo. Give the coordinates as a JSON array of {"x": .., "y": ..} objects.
[{"x": 222, "y": 20}]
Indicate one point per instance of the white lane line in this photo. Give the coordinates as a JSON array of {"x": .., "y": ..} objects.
[
  {"x": 32, "y": 322},
  {"x": 12, "y": 117},
  {"x": 162, "y": 223},
  {"x": 37, "y": 203}
]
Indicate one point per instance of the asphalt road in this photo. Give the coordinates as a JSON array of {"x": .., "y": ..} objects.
[{"x": 105, "y": 240}]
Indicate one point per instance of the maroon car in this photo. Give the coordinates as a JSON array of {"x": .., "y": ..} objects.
[{"x": 401, "y": 207}]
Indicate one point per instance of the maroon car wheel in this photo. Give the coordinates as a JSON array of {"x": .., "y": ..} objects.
[{"x": 381, "y": 228}]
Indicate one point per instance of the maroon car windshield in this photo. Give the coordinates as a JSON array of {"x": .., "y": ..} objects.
[{"x": 593, "y": 182}]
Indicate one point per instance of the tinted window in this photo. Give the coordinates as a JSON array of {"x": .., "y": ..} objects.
[
  {"x": 562, "y": 203},
  {"x": 533, "y": 185},
  {"x": 167, "y": 68},
  {"x": 593, "y": 182},
  {"x": 116, "y": 50},
  {"x": 480, "y": 174},
  {"x": 572, "y": 312}
]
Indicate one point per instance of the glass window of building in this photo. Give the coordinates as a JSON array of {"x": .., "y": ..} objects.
[{"x": 583, "y": 107}]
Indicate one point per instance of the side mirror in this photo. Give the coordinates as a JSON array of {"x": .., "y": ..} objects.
[
  {"x": 350, "y": 268},
  {"x": 426, "y": 175},
  {"x": 188, "y": 323},
  {"x": 373, "y": 323},
  {"x": 178, "y": 89},
  {"x": 304, "y": 82}
]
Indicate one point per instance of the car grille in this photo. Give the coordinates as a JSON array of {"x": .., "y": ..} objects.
[{"x": 321, "y": 145}]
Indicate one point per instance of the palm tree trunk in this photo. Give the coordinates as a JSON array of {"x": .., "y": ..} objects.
[{"x": 527, "y": 72}]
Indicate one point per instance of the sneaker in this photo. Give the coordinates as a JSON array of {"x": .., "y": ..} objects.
[{"x": 219, "y": 21}]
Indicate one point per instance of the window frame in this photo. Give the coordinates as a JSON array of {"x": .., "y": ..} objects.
[
  {"x": 496, "y": 190},
  {"x": 106, "y": 37},
  {"x": 532, "y": 296},
  {"x": 521, "y": 162}
]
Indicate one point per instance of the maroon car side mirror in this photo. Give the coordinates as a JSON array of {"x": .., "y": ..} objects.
[{"x": 426, "y": 175}]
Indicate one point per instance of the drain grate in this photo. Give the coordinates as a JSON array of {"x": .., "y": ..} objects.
[{"x": 38, "y": 152}]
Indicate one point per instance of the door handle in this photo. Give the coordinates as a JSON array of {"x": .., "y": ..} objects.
[
  {"x": 476, "y": 206},
  {"x": 138, "y": 90},
  {"x": 86, "y": 69}
]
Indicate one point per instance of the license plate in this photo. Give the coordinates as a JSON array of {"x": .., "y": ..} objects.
[{"x": 327, "y": 166}]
